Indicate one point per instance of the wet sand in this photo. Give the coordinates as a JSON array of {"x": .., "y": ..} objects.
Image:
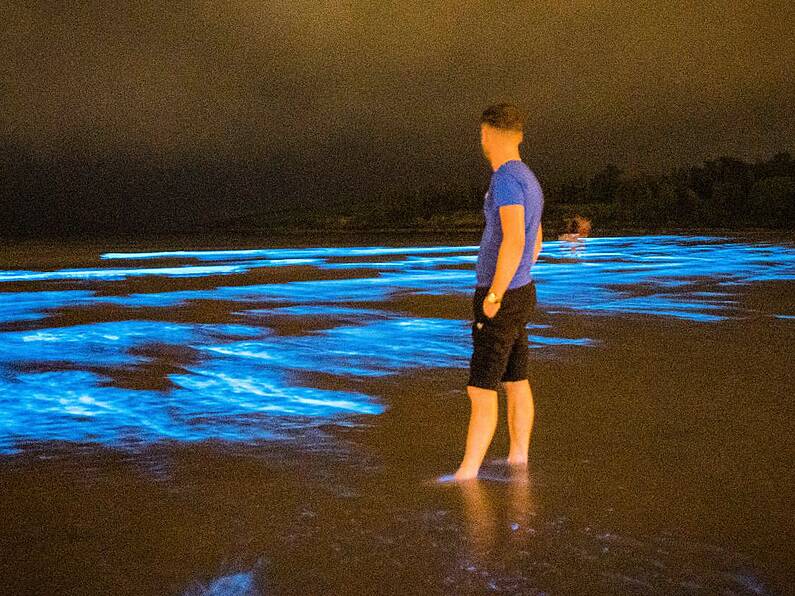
[{"x": 661, "y": 462}]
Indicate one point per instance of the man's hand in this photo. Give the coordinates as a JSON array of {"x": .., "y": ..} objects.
[{"x": 490, "y": 308}]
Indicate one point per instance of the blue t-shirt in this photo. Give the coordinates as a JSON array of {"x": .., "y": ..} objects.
[{"x": 513, "y": 183}]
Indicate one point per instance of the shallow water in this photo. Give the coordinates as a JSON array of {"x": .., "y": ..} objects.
[{"x": 270, "y": 420}]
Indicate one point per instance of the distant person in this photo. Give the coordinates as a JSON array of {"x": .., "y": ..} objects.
[
  {"x": 583, "y": 226},
  {"x": 505, "y": 293},
  {"x": 578, "y": 228}
]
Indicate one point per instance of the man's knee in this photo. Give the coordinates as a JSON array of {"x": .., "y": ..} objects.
[
  {"x": 475, "y": 392},
  {"x": 516, "y": 386}
]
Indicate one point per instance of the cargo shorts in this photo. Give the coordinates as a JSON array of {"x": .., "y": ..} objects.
[{"x": 500, "y": 349}]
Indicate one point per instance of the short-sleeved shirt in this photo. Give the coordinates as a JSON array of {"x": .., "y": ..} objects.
[{"x": 513, "y": 183}]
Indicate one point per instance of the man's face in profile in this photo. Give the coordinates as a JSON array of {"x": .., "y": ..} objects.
[
  {"x": 490, "y": 135},
  {"x": 484, "y": 141}
]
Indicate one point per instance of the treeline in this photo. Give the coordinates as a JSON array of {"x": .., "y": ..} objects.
[
  {"x": 70, "y": 196},
  {"x": 722, "y": 193}
]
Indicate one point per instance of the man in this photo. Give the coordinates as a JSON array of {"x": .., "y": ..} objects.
[{"x": 505, "y": 293}]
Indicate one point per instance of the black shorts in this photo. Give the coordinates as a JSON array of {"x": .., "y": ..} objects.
[{"x": 499, "y": 344}]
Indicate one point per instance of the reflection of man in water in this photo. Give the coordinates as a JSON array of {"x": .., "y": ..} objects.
[
  {"x": 486, "y": 514},
  {"x": 505, "y": 293}
]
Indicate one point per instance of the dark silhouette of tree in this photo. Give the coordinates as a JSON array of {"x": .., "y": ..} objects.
[{"x": 605, "y": 184}]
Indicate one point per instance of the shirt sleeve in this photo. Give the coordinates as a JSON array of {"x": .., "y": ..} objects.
[{"x": 506, "y": 190}]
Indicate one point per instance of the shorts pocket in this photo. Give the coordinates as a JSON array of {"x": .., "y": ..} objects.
[{"x": 500, "y": 318}]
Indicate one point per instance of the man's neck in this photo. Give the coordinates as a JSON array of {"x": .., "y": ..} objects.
[{"x": 501, "y": 158}]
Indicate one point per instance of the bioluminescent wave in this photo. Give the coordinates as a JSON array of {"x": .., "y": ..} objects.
[
  {"x": 81, "y": 406},
  {"x": 76, "y": 398},
  {"x": 122, "y": 367},
  {"x": 109, "y": 274},
  {"x": 290, "y": 253},
  {"x": 32, "y": 305},
  {"x": 240, "y": 388},
  {"x": 650, "y": 275},
  {"x": 376, "y": 348}
]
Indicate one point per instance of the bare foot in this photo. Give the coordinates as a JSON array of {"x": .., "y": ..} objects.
[
  {"x": 465, "y": 474},
  {"x": 459, "y": 476}
]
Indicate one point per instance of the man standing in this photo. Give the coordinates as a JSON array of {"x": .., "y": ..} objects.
[{"x": 505, "y": 292}]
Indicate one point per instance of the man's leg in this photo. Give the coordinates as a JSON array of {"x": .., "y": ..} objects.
[
  {"x": 521, "y": 410},
  {"x": 482, "y": 424},
  {"x": 521, "y": 413},
  {"x": 492, "y": 340}
]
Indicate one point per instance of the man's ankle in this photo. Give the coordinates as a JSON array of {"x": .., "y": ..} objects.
[
  {"x": 469, "y": 466},
  {"x": 463, "y": 473},
  {"x": 517, "y": 457}
]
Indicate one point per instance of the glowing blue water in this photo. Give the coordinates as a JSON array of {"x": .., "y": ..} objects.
[{"x": 152, "y": 377}]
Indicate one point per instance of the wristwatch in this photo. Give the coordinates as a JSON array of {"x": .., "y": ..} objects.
[{"x": 492, "y": 297}]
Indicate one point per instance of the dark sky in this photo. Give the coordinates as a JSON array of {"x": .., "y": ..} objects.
[{"x": 375, "y": 90}]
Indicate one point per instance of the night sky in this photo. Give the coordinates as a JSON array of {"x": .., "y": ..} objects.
[{"x": 377, "y": 91}]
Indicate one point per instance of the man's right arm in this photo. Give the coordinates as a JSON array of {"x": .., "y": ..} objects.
[{"x": 537, "y": 248}]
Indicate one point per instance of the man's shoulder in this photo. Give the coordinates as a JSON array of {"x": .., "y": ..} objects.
[
  {"x": 517, "y": 170},
  {"x": 519, "y": 173}
]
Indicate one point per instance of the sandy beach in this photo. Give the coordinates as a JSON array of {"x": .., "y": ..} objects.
[{"x": 265, "y": 426}]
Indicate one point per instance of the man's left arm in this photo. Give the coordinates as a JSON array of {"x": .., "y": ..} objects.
[{"x": 511, "y": 248}]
